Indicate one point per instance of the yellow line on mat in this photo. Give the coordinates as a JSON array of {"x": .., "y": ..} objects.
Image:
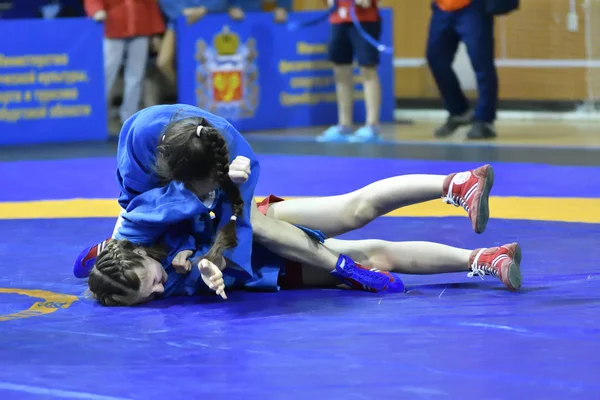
[
  {"x": 50, "y": 303},
  {"x": 529, "y": 208}
]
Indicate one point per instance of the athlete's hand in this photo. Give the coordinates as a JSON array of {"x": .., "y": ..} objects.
[
  {"x": 194, "y": 14},
  {"x": 99, "y": 16},
  {"x": 181, "y": 262},
  {"x": 213, "y": 277},
  {"x": 239, "y": 170},
  {"x": 236, "y": 13},
  {"x": 281, "y": 15}
]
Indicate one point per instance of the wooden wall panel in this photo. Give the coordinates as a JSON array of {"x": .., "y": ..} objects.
[
  {"x": 306, "y": 5},
  {"x": 536, "y": 32},
  {"x": 539, "y": 31},
  {"x": 542, "y": 83},
  {"x": 411, "y": 82},
  {"x": 411, "y": 24}
]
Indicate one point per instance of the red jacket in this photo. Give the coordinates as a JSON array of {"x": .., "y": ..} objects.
[
  {"x": 128, "y": 18},
  {"x": 342, "y": 14}
]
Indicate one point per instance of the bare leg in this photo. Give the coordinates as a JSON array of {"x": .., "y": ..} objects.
[
  {"x": 336, "y": 215},
  {"x": 290, "y": 242},
  {"x": 344, "y": 87},
  {"x": 380, "y": 257},
  {"x": 416, "y": 258},
  {"x": 420, "y": 258},
  {"x": 372, "y": 90},
  {"x": 166, "y": 57}
]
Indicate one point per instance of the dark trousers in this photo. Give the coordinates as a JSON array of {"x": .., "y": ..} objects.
[{"x": 474, "y": 27}]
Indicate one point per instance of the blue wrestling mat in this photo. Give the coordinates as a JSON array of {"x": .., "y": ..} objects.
[{"x": 447, "y": 337}]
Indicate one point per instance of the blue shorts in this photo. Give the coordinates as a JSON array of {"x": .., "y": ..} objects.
[{"x": 346, "y": 43}]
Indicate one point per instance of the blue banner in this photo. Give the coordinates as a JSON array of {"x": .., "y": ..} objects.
[
  {"x": 51, "y": 81},
  {"x": 259, "y": 75}
]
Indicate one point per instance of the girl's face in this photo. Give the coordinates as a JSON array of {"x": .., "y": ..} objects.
[{"x": 153, "y": 277}]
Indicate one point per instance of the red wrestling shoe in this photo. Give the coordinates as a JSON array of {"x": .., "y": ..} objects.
[
  {"x": 503, "y": 262},
  {"x": 86, "y": 259},
  {"x": 471, "y": 191}
]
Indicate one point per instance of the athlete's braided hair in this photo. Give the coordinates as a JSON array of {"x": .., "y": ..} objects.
[
  {"x": 192, "y": 150},
  {"x": 115, "y": 278}
]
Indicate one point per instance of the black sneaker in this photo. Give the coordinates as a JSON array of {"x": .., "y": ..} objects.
[
  {"x": 453, "y": 123},
  {"x": 482, "y": 131}
]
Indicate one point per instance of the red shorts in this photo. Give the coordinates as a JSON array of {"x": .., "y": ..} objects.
[{"x": 292, "y": 279}]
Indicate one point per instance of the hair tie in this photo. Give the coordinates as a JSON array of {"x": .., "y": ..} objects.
[
  {"x": 233, "y": 217},
  {"x": 163, "y": 138},
  {"x": 199, "y": 130}
]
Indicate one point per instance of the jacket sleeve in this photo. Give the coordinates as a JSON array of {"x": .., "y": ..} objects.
[
  {"x": 150, "y": 215},
  {"x": 136, "y": 153},
  {"x": 179, "y": 238},
  {"x": 93, "y": 6}
]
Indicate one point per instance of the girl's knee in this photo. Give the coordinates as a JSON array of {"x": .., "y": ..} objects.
[
  {"x": 361, "y": 210},
  {"x": 368, "y": 73}
]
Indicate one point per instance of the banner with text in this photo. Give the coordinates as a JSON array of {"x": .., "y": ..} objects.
[
  {"x": 259, "y": 75},
  {"x": 51, "y": 81}
]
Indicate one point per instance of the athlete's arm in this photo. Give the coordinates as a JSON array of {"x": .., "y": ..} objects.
[{"x": 150, "y": 214}]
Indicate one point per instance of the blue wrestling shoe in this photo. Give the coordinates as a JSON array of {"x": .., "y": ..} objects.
[
  {"x": 366, "y": 134},
  {"x": 86, "y": 260},
  {"x": 336, "y": 133},
  {"x": 361, "y": 278}
]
